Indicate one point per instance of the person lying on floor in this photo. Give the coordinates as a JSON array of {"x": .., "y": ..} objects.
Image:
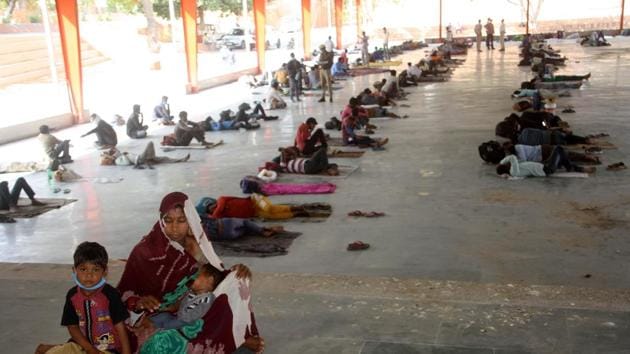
[
  {"x": 9, "y": 200},
  {"x": 274, "y": 97},
  {"x": 259, "y": 206},
  {"x": 548, "y": 75},
  {"x": 147, "y": 157},
  {"x": 291, "y": 162},
  {"x": 186, "y": 131},
  {"x": 530, "y": 136},
  {"x": 105, "y": 134},
  {"x": 510, "y": 166},
  {"x": 308, "y": 139},
  {"x": 541, "y": 153},
  {"x": 258, "y": 113},
  {"x": 349, "y": 127},
  {"x": 135, "y": 127},
  {"x": 226, "y": 229}
]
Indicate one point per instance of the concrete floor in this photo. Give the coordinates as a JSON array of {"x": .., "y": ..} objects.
[{"x": 449, "y": 218}]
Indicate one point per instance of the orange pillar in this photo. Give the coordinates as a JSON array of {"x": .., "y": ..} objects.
[
  {"x": 68, "y": 18},
  {"x": 357, "y": 8},
  {"x": 623, "y": 5},
  {"x": 259, "y": 23},
  {"x": 189, "y": 18},
  {"x": 440, "y": 20},
  {"x": 339, "y": 21},
  {"x": 306, "y": 27}
]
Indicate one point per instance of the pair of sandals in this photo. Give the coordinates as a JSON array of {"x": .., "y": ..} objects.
[
  {"x": 358, "y": 246},
  {"x": 618, "y": 166}
]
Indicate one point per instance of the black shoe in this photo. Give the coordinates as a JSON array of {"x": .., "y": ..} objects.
[
  {"x": 331, "y": 99},
  {"x": 322, "y": 99}
]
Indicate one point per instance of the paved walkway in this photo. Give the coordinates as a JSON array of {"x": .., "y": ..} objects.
[{"x": 449, "y": 219}]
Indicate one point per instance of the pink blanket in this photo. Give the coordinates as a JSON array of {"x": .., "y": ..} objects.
[{"x": 307, "y": 188}]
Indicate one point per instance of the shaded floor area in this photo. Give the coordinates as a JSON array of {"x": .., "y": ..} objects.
[{"x": 449, "y": 218}]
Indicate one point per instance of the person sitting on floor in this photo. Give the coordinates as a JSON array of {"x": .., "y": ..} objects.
[
  {"x": 135, "y": 129},
  {"x": 414, "y": 71},
  {"x": 367, "y": 97},
  {"x": 259, "y": 206},
  {"x": 105, "y": 134},
  {"x": 510, "y": 166},
  {"x": 313, "y": 78},
  {"x": 339, "y": 69},
  {"x": 308, "y": 139},
  {"x": 163, "y": 112},
  {"x": 390, "y": 89},
  {"x": 54, "y": 148},
  {"x": 9, "y": 200},
  {"x": 186, "y": 130},
  {"x": 282, "y": 75},
  {"x": 290, "y": 162},
  {"x": 405, "y": 80},
  {"x": 274, "y": 98},
  {"x": 226, "y": 229},
  {"x": 350, "y": 137}
]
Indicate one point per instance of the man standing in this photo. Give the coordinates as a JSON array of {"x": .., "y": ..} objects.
[
  {"x": 365, "y": 51},
  {"x": 386, "y": 44},
  {"x": 294, "y": 69},
  {"x": 490, "y": 34},
  {"x": 325, "y": 63},
  {"x": 329, "y": 44},
  {"x": 478, "y": 34},
  {"x": 502, "y": 35}
]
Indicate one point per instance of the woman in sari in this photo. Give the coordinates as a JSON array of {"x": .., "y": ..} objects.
[{"x": 155, "y": 277}]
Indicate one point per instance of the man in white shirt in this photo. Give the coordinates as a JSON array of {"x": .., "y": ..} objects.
[
  {"x": 274, "y": 100},
  {"x": 414, "y": 71},
  {"x": 502, "y": 36},
  {"x": 390, "y": 88},
  {"x": 478, "y": 35},
  {"x": 365, "y": 51},
  {"x": 386, "y": 55},
  {"x": 329, "y": 44}
]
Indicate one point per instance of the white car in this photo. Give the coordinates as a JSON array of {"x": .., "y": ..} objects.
[{"x": 236, "y": 39}]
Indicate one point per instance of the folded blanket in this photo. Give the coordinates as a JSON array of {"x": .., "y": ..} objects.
[
  {"x": 256, "y": 246},
  {"x": 299, "y": 188}
]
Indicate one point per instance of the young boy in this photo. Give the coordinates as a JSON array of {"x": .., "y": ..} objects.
[
  {"x": 101, "y": 328},
  {"x": 195, "y": 303}
]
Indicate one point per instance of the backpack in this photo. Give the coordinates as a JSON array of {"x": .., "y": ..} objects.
[
  {"x": 251, "y": 184},
  {"x": 491, "y": 152}
]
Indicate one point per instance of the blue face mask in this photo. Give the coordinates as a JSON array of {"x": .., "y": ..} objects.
[{"x": 94, "y": 287}]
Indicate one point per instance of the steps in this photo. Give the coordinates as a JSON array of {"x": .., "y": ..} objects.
[{"x": 26, "y": 60}]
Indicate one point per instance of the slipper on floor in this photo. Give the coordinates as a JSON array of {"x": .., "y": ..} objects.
[
  {"x": 358, "y": 246},
  {"x": 617, "y": 166},
  {"x": 368, "y": 214},
  {"x": 593, "y": 150},
  {"x": 5, "y": 219}
]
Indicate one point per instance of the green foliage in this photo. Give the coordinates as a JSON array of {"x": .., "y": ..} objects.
[
  {"x": 126, "y": 6},
  {"x": 229, "y": 6}
]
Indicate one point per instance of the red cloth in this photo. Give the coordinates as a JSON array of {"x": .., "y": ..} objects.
[
  {"x": 347, "y": 112},
  {"x": 302, "y": 135},
  {"x": 154, "y": 267},
  {"x": 234, "y": 207}
]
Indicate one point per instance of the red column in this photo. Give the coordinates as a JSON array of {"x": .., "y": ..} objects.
[
  {"x": 440, "y": 20},
  {"x": 306, "y": 27},
  {"x": 68, "y": 18},
  {"x": 189, "y": 18},
  {"x": 357, "y": 6},
  {"x": 259, "y": 23},
  {"x": 339, "y": 21}
]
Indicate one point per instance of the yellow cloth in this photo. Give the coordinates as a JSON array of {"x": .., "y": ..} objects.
[
  {"x": 266, "y": 210},
  {"x": 68, "y": 348}
]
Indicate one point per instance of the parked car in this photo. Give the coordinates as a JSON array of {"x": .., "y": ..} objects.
[{"x": 236, "y": 39}]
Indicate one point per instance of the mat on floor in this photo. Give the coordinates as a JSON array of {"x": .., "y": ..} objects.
[
  {"x": 256, "y": 246},
  {"x": 366, "y": 71},
  {"x": 344, "y": 172},
  {"x": 335, "y": 141},
  {"x": 26, "y": 210},
  {"x": 167, "y": 148},
  {"x": 569, "y": 175},
  {"x": 380, "y": 64},
  {"x": 345, "y": 154}
]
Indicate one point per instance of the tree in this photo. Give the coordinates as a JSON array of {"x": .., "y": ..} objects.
[
  {"x": 229, "y": 6},
  {"x": 8, "y": 11}
]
